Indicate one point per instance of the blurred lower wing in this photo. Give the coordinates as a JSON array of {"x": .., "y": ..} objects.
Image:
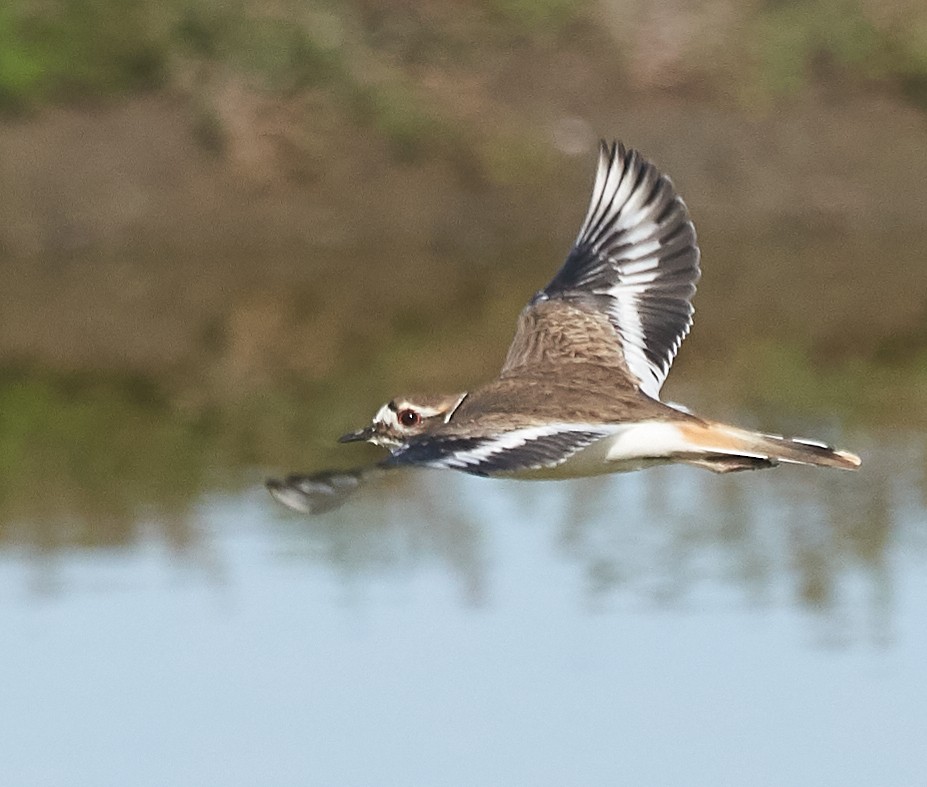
[{"x": 319, "y": 492}]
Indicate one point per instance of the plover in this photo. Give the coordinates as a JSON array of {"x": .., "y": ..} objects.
[{"x": 579, "y": 391}]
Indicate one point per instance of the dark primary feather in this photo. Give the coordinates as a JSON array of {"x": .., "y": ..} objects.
[
  {"x": 634, "y": 266},
  {"x": 491, "y": 455}
]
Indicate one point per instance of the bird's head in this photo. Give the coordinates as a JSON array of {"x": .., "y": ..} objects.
[{"x": 404, "y": 417}]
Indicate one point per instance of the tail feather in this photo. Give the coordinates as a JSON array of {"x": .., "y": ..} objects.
[{"x": 730, "y": 444}]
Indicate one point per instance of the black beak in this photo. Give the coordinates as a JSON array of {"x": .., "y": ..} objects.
[{"x": 361, "y": 434}]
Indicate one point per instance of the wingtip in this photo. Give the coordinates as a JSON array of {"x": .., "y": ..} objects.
[
  {"x": 610, "y": 151},
  {"x": 852, "y": 460},
  {"x": 317, "y": 493}
]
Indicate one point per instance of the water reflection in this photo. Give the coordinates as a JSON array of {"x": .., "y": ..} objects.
[
  {"x": 104, "y": 469},
  {"x": 399, "y": 523},
  {"x": 437, "y": 611},
  {"x": 667, "y": 537}
]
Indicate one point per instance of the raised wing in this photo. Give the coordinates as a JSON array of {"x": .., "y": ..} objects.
[
  {"x": 623, "y": 296},
  {"x": 523, "y": 449}
]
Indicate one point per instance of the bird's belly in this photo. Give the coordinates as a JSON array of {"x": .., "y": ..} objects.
[{"x": 629, "y": 447}]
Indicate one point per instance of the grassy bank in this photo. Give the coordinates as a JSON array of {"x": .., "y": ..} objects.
[
  {"x": 86, "y": 460},
  {"x": 387, "y": 62},
  {"x": 220, "y": 219}
]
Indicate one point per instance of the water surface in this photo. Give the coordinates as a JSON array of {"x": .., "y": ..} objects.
[{"x": 662, "y": 627}]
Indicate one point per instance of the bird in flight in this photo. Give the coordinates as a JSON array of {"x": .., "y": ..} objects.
[{"x": 579, "y": 391}]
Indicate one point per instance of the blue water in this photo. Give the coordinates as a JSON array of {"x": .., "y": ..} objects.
[{"x": 668, "y": 627}]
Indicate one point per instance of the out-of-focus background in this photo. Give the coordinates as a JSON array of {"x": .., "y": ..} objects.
[{"x": 230, "y": 230}]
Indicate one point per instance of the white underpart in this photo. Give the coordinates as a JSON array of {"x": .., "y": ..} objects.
[
  {"x": 623, "y": 447},
  {"x": 650, "y": 439},
  {"x": 633, "y": 446}
]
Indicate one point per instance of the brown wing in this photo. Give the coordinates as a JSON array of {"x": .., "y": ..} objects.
[
  {"x": 623, "y": 296},
  {"x": 558, "y": 334}
]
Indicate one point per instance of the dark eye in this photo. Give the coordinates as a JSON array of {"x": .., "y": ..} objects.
[{"x": 409, "y": 417}]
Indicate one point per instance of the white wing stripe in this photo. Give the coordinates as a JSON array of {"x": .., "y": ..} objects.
[
  {"x": 637, "y": 255},
  {"x": 641, "y": 254},
  {"x": 515, "y": 439}
]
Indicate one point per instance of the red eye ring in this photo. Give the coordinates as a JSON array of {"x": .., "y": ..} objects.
[{"x": 409, "y": 418}]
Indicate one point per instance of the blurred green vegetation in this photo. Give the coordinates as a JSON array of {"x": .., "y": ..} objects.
[
  {"x": 64, "y": 49},
  {"x": 85, "y": 458},
  {"x": 283, "y": 51},
  {"x": 777, "y": 380},
  {"x": 94, "y": 450},
  {"x": 544, "y": 17},
  {"x": 78, "y": 48},
  {"x": 88, "y": 456},
  {"x": 875, "y": 41}
]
